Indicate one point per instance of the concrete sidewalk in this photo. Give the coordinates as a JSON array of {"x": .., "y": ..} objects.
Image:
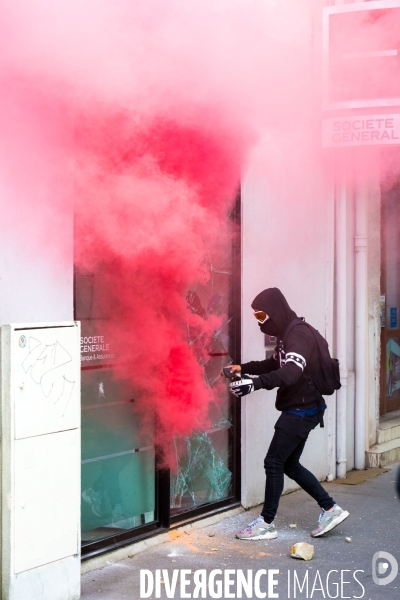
[{"x": 373, "y": 525}]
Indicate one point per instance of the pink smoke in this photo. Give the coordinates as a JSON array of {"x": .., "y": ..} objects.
[{"x": 153, "y": 110}]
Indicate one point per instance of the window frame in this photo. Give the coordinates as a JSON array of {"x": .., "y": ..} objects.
[{"x": 163, "y": 519}]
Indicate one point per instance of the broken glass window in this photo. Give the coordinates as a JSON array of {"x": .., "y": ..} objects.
[{"x": 203, "y": 460}]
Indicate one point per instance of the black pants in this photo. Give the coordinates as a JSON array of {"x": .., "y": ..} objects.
[{"x": 287, "y": 445}]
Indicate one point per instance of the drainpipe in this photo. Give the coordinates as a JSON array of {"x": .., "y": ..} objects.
[
  {"x": 330, "y": 415},
  {"x": 360, "y": 241},
  {"x": 341, "y": 326}
]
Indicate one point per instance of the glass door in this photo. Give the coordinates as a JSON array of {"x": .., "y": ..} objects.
[
  {"x": 390, "y": 299},
  {"x": 204, "y": 469}
]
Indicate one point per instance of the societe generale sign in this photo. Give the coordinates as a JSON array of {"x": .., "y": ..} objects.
[{"x": 362, "y": 130}]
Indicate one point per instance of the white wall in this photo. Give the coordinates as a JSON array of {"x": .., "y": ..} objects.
[
  {"x": 284, "y": 245},
  {"x": 36, "y": 233},
  {"x": 288, "y": 242},
  {"x": 374, "y": 287},
  {"x": 34, "y": 289}
]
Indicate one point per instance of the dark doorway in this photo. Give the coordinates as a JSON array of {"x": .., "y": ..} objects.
[{"x": 390, "y": 298}]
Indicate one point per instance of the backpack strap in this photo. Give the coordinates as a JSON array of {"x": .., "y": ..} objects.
[
  {"x": 317, "y": 394},
  {"x": 290, "y": 326}
]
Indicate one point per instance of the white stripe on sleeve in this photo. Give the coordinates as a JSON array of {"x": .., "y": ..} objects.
[{"x": 297, "y": 359}]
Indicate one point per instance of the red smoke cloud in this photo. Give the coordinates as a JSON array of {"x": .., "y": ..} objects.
[
  {"x": 152, "y": 109},
  {"x": 153, "y": 202}
]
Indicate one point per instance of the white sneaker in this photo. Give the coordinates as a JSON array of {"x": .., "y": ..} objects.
[
  {"x": 329, "y": 520},
  {"x": 258, "y": 530}
]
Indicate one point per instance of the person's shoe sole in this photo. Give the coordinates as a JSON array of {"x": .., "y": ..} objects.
[
  {"x": 267, "y": 536},
  {"x": 339, "y": 519}
]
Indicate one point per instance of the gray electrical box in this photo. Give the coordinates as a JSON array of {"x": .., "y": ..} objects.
[{"x": 40, "y": 461}]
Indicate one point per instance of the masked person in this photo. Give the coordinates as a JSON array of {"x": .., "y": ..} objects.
[{"x": 295, "y": 355}]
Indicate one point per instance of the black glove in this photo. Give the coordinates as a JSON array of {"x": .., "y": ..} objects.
[{"x": 246, "y": 385}]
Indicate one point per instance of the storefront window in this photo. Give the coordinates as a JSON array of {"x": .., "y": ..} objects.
[
  {"x": 118, "y": 468},
  {"x": 118, "y": 459},
  {"x": 124, "y": 493},
  {"x": 390, "y": 299}
]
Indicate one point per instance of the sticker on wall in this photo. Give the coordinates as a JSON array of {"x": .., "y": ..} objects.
[{"x": 393, "y": 317}]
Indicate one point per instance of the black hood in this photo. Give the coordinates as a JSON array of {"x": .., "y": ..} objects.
[{"x": 274, "y": 303}]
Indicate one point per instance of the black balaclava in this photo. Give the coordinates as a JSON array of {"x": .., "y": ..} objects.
[{"x": 274, "y": 303}]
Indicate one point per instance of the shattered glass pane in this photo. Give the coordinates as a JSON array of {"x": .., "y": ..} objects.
[
  {"x": 203, "y": 474},
  {"x": 204, "y": 469}
]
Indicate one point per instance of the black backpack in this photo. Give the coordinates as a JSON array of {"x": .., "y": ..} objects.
[{"x": 327, "y": 378}]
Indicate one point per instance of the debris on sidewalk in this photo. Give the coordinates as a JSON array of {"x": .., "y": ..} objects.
[
  {"x": 349, "y": 540},
  {"x": 331, "y": 552},
  {"x": 292, "y": 525},
  {"x": 302, "y": 550}
]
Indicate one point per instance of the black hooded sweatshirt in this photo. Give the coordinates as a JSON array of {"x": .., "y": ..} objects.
[{"x": 300, "y": 352}]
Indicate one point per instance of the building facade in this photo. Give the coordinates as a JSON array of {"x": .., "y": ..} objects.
[
  {"x": 328, "y": 239},
  {"x": 331, "y": 245}
]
